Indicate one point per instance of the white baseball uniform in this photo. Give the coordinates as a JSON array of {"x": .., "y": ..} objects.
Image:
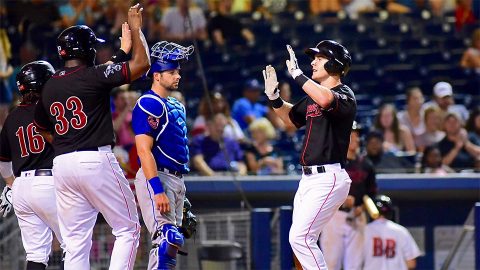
[
  {"x": 34, "y": 204},
  {"x": 388, "y": 246}
]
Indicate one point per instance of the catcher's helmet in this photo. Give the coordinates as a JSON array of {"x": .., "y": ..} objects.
[
  {"x": 167, "y": 56},
  {"x": 33, "y": 76},
  {"x": 77, "y": 42},
  {"x": 384, "y": 205},
  {"x": 339, "y": 59}
]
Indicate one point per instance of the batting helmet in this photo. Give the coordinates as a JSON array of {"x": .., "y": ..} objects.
[
  {"x": 33, "y": 76},
  {"x": 339, "y": 59},
  {"x": 77, "y": 42},
  {"x": 167, "y": 56},
  {"x": 384, "y": 205}
]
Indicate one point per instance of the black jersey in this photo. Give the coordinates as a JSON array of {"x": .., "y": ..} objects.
[
  {"x": 327, "y": 132},
  {"x": 21, "y": 144},
  {"x": 75, "y": 106},
  {"x": 362, "y": 173}
]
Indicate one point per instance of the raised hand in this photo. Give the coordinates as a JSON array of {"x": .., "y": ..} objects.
[
  {"x": 135, "y": 17},
  {"x": 292, "y": 63},
  {"x": 126, "y": 38},
  {"x": 271, "y": 83}
]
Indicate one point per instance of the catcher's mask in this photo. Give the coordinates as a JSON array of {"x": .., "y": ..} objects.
[{"x": 167, "y": 56}]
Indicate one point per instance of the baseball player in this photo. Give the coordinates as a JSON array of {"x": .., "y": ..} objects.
[
  {"x": 75, "y": 107},
  {"x": 24, "y": 149},
  {"x": 388, "y": 245},
  {"x": 159, "y": 124},
  {"x": 342, "y": 238},
  {"x": 327, "y": 112}
]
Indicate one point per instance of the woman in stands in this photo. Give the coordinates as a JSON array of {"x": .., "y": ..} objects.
[
  {"x": 471, "y": 56},
  {"x": 397, "y": 137},
  {"x": 412, "y": 117},
  {"x": 433, "y": 133},
  {"x": 262, "y": 158}
]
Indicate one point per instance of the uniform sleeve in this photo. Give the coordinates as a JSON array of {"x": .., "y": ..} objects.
[
  {"x": 140, "y": 122},
  {"x": 147, "y": 115},
  {"x": 343, "y": 104},
  {"x": 5, "y": 151},
  {"x": 41, "y": 120},
  {"x": 298, "y": 113},
  {"x": 410, "y": 248},
  {"x": 110, "y": 75}
]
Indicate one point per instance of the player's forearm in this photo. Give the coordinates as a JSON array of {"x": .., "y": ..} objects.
[
  {"x": 140, "y": 62},
  {"x": 202, "y": 166},
  {"x": 320, "y": 94},
  {"x": 149, "y": 166},
  {"x": 6, "y": 172},
  {"x": 412, "y": 264},
  {"x": 283, "y": 112}
]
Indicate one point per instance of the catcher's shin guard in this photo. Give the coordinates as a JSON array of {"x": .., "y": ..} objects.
[
  {"x": 35, "y": 266},
  {"x": 170, "y": 241}
]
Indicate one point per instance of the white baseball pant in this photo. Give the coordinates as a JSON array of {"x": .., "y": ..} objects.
[
  {"x": 88, "y": 182},
  {"x": 175, "y": 190},
  {"x": 342, "y": 241},
  {"x": 34, "y": 204},
  {"x": 317, "y": 198}
]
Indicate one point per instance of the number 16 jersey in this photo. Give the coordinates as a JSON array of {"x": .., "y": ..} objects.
[{"x": 75, "y": 106}]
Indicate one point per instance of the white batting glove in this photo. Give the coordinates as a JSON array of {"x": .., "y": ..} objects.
[
  {"x": 6, "y": 201},
  {"x": 292, "y": 64},
  {"x": 271, "y": 83}
]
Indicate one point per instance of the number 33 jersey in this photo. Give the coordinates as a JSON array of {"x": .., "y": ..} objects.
[
  {"x": 21, "y": 143},
  {"x": 75, "y": 106}
]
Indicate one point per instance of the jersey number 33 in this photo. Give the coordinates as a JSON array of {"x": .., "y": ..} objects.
[{"x": 78, "y": 120}]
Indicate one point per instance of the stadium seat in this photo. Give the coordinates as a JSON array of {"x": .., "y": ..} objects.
[{"x": 219, "y": 251}]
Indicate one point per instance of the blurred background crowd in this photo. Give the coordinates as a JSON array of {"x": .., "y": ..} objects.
[{"x": 415, "y": 73}]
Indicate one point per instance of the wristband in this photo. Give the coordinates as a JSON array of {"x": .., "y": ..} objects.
[
  {"x": 119, "y": 56},
  {"x": 301, "y": 79},
  {"x": 276, "y": 103},
  {"x": 156, "y": 185}
]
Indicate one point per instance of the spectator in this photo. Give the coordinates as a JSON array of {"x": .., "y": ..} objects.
[
  {"x": 457, "y": 151},
  {"x": 443, "y": 98},
  {"x": 122, "y": 118},
  {"x": 219, "y": 105},
  {"x": 209, "y": 151},
  {"x": 76, "y": 12},
  {"x": 473, "y": 126},
  {"x": 225, "y": 29},
  {"x": 183, "y": 23},
  {"x": 384, "y": 162},
  {"x": 322, "y": 6},
  {"x": 397, "y": 137},
  {"x": 412, "y": 117},
  {"x": 464, "y": 14},
  {"x": 432, "y": 162},
  {"x": 247, "y": 108},
  {"x": 155, "y": 10},
  {"x": 471, "y": 56},
  {"x": 261, "y": 157},
  {"x": 354, "y": 7},
  {"x": 6, "y": 70},
  {"x": 433, "y": 134}
]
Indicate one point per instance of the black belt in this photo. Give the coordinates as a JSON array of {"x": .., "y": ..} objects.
[
  {"x": 87, "y": 149},
  {"x": 309, "y": 170},
  {"x": 176, "y": 173},
  {"x": 43, "y": 172}
]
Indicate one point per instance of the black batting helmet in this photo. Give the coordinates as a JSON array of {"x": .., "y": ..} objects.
[
  {"x": 339, "y": 59},
  {"x": 384, "y": 205},
  {"x": 78, "y": 42},
  {"x": 33, "y": 76}
]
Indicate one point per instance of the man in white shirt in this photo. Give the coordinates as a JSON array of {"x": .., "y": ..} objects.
[
  {"x": 443, "y": 99},
  {"x": 388, "y": 245}
]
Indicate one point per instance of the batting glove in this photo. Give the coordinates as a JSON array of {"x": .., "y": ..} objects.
[
  {"x": 6, "y": 201},
  {"x": 292, "y": 64},
  {"x": 271, "y": 83}
]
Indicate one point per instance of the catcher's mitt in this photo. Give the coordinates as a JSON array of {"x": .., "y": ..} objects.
[{"x": 189, "y": 221}]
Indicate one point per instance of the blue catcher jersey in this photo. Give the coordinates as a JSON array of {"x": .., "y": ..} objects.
[{"x": 163, "y": 119}]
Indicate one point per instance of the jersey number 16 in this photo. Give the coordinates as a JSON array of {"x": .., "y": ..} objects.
[{"x": 79, "y": 119}]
